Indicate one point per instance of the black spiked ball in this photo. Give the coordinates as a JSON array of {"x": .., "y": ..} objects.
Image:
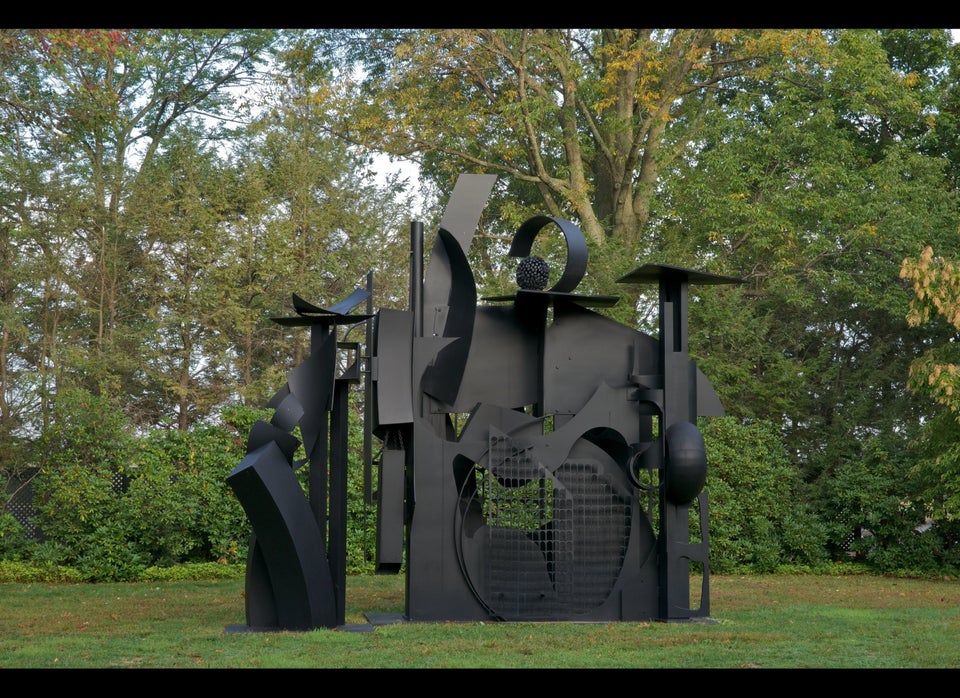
[{"x": 533, "y": 273}]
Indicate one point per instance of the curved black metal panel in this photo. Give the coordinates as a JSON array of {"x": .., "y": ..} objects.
[
  {"x": 287, "y": 411},
  {"x": 466, "y": 204},
  {"x": 259, "y": 596},
  {"x": 442, "y": 378},
  {"x": 289, "y": 539},
  {"x": 263, "y": 433},
  {"x": 576, "y": 265},
  {"x": 502, "y": 365},
  {"x": 312, "y": 384}
]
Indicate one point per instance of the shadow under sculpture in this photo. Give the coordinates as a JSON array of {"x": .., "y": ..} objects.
[{"x": 566, "y": 495}]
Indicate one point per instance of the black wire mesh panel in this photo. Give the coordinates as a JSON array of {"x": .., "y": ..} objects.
[
  {"x": 554, "y": 542},
  {"x": 20, "y": 503}
]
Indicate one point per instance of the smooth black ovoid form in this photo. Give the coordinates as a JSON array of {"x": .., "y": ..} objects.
[{"x": 539, "y": 461}]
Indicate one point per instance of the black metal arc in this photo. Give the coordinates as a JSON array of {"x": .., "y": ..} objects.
[{"x": 576, "y": 265}]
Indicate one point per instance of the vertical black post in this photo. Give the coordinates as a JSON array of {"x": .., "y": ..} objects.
[
  {"x": 683, "y": 472},
  {"x": 320, "y": 334},
  {"x": 674, "y": 533},
  {"x": 407, "y": 449},
  {"x": 337, "y": 547},
  {"x": 368, "y": 400},
  {"x": 416, "y": 277}
]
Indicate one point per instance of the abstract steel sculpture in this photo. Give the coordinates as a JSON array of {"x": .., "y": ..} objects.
[{"x": 566, "y": 495}]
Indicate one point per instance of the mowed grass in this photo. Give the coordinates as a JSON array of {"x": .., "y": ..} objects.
[{"x": 775, "y": 621}]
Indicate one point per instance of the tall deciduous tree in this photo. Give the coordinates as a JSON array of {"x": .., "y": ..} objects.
[
  {"x": 813, "y": 187},
  {"x": 36, "y": 214},
  {"x": 312, "y": 218},
  {"x": 184, "y": 204},
  {"x": 95, "y": 106},
  {"x": 581, "y": 123}
]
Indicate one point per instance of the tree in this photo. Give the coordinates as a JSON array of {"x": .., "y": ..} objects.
[
  {"x": 184, "y": 209},
  {"x": 797, "y": 190},
  {"x": 813, "y": 187},
  {"x": 311, "y": 219},
  {"x": 93, "y": 108},
  {"x": 581, "y": 123}
]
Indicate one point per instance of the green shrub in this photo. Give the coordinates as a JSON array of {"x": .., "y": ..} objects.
[
  {"x": 183, "y": 509},
  {"x": 21, "y": 572},
  {"x": 14, "y": 543},
  {"x": 193, "y": 571},
  {"x": 24, "y": 572},
  {"x": 111, "y": 506},
  {"x": 758, "y": 520},
  {"x": 361, "y": 515},
  {"x": 75, "y": 495},
  {"x": 873, "y": 513}
]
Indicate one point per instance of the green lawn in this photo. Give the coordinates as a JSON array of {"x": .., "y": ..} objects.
[{"x": 776, "y": 621}]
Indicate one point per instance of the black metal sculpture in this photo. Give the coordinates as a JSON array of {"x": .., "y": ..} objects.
[
  {"x": 296, "y": 567},
  {"x": 566, "y": 494}
]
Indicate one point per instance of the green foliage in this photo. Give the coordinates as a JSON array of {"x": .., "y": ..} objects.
[
  {"x": 873, "y": 513},
  {"x": 76, "y": 505},
  {"x": 14, "y": 544},
  {"x": 935, "y": 474},
  {"x": 23, "y": 572},
  {"x": 758, "y": 518},
  {"x": 934, "y": 376},
  {"x": 182, "y": 508},
  {"x": 813, "y": 196},
  {"x": 112, "y": 507},
  {"x": 241, "y": 419},
  {"x": 193, "y": 571},
  {"x": 932, "y": 552},
  {"x": 361, "y": 515},
  {"x": 162, "y": 502}
]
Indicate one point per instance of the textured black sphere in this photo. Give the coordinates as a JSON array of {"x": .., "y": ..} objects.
[{"x": 533, "y": 273}]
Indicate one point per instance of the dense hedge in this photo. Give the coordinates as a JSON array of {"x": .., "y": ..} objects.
[
  {"x": 758, "y": 516},
  {"x": 113, "y": 506}
]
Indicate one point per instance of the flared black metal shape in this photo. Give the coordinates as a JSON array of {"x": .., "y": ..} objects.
[{"x": 296, "y": 567}]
